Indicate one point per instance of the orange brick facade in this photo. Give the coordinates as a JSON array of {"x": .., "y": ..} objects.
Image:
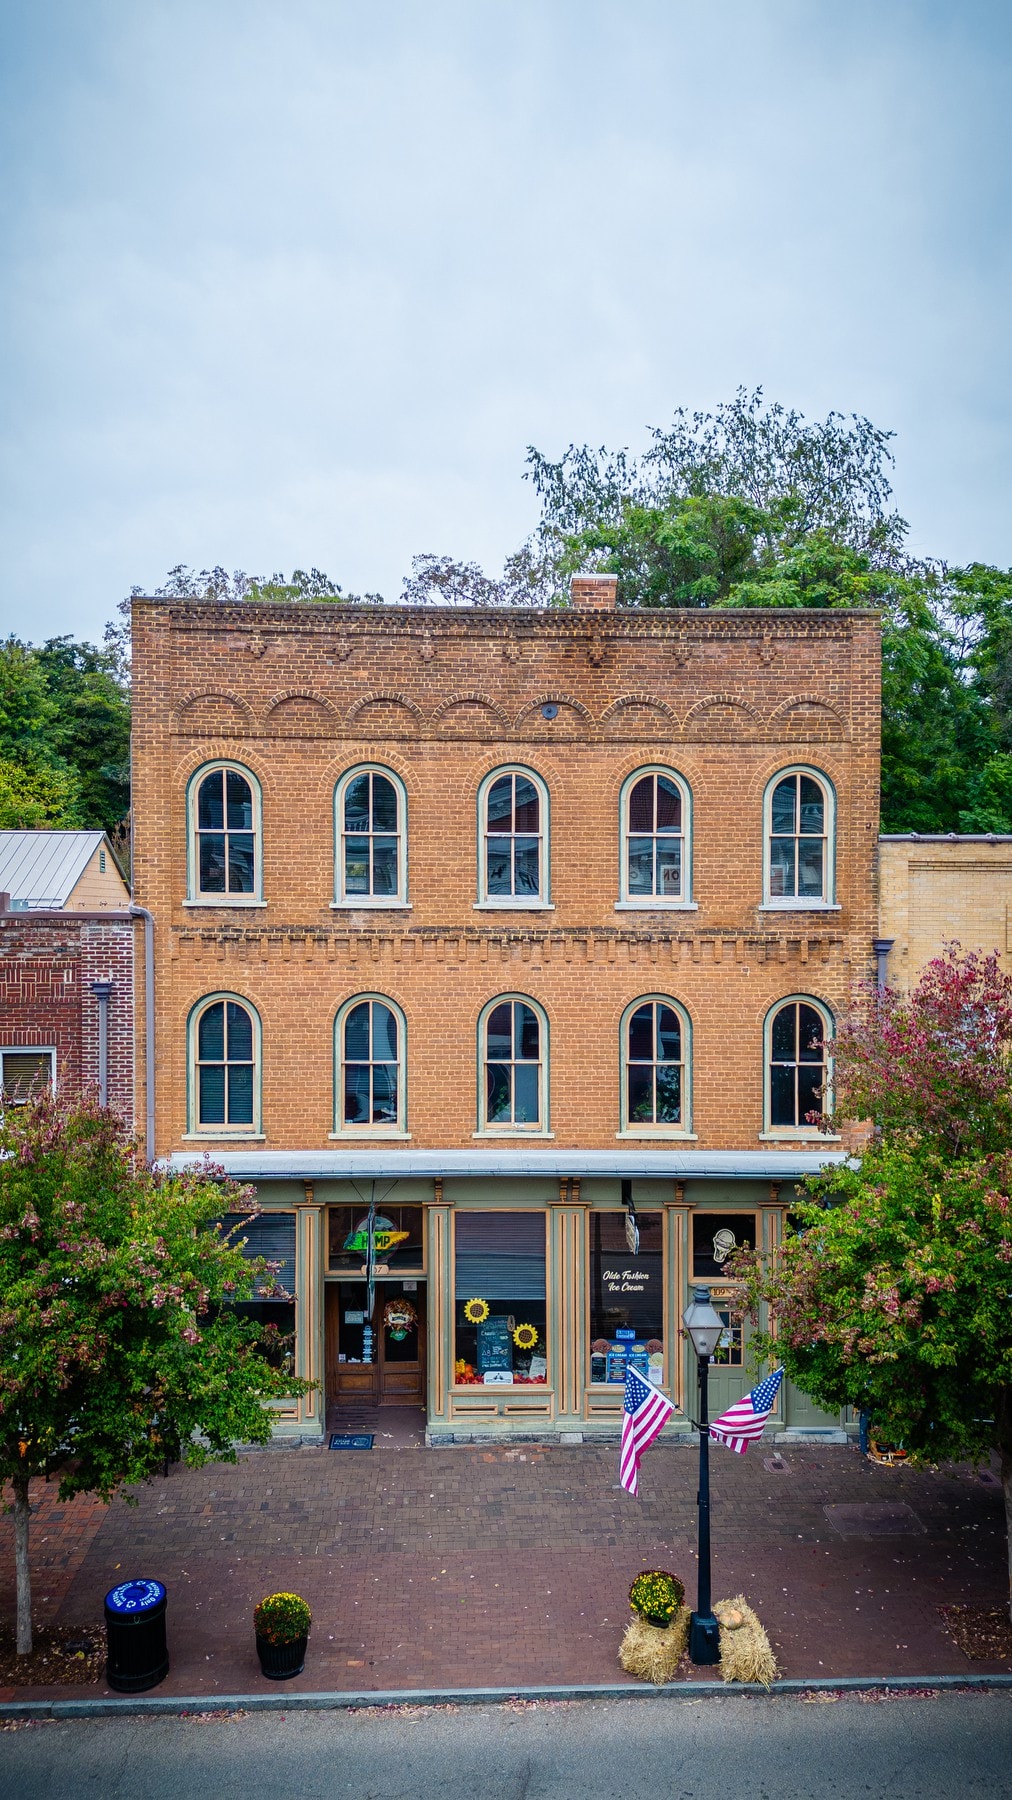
[
  {"x": 301, "y": 695},
  {"x": 583, "y": 697}
]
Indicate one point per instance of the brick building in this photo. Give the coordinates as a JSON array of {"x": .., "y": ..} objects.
[
  {"x": 66, "y": 967},
  {"x": 507, "y": 922},
  {"x": 935, "y": 890}
]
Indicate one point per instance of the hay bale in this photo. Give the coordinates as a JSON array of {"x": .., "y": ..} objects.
[
  {"x": 746, "y": 1653},
  {"x": 653, "y": 1652}
]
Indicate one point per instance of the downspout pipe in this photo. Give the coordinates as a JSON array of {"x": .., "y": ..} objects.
[
  {"x": 882, "y": 947},
  {"x": 141, "y": 912},
  {"x": 102, "y": 991}
]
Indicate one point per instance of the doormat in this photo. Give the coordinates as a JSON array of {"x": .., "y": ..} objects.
[{"x": 351, "y": 1440}]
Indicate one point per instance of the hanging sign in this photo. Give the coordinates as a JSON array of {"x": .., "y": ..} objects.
[{"x": 632, "y": 1230}]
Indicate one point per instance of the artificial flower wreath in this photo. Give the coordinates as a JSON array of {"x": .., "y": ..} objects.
[
  {"x": 525, "y": 1337},
  {"x": 476, "y": 1311},
  {"x": 399, "y": 1317}
]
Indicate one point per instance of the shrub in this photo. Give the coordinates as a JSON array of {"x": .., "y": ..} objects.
[
  {"x": 282, "y": 1618},
  {"x": 656, "y": 1594}
]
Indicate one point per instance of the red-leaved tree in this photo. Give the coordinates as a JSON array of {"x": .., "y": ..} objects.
[{"x": 892, "y": 1292}]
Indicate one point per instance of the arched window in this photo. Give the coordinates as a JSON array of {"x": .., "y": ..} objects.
[
  {"x": 370, "y": 816},
  {"x": 513, "y": 839},
  {"x": 655, "y": 810},
  {"x": 798, "y": 1032},
  {"x": 513, "y": 1038},
  {"x": 799, "y": 832},
  {"x": 370, "y": 1067},
  {"x": 656, "y": 1067},
  {"x": 224, "y": 808},
  {"x": 225, "y": 1066}
]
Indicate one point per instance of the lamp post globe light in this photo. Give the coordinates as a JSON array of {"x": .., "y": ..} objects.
[{"x": 703, "y": 1326}]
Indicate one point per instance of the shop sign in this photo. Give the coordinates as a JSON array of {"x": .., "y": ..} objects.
[
  {"x": 498, "y": 1378},
  {"x": 626, "y": 1278}
]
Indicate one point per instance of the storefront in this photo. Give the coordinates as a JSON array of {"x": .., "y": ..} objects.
[{"x": 512, "y": 1290}]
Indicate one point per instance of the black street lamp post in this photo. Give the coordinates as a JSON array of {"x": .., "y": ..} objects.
[{"x": 704, "y": 1326}]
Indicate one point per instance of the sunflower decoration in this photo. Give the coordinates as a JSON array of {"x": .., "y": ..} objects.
[
  {"x": 525, "y": 1337},
  {"x": 476, "y": 1311}
]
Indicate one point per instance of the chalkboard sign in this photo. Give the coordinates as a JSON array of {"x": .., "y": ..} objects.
[{"x": 495, "y": 1348}]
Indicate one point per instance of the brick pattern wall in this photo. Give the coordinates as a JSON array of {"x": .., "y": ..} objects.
[
  {"x": 48, "y": 962},
  {"x": 299, "y": 695},
  {"x": 935, "y": 890}
]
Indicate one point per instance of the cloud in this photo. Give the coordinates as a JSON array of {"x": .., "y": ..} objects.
[{"x": 298, "y": 286}]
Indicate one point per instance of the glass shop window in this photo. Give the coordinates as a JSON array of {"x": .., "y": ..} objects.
[
  {"x": 500, "y": 1299},
  {"x": 626, "y": 1298},
  {"x": 398, "y": 1237},
  {"x": 272, "y": 1236},
  {"x": 715, "y": 1237}
]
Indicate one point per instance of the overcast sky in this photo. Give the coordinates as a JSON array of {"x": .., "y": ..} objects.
[{"x": 297, "y": 283}]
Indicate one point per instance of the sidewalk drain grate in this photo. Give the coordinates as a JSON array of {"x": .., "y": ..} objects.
[
  {"x": 776, "y": 1464},
  {"x": 872, "y": 1519}
]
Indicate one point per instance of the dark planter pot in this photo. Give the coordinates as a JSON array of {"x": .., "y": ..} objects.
[
  {"x": 655, "y": 1619},
  {"x": 280, "y": 1661}
]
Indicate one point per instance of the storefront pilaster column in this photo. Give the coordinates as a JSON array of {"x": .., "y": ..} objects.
[
  {"x": 567, "y": 1273},
  {"x": 677, "y": 1247},
  {"x": 309, "y": 1352},
  {"x": 439, "y": 1263}
]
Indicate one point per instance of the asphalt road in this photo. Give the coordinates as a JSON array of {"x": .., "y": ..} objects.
[{"x": 930, "y": 1748}]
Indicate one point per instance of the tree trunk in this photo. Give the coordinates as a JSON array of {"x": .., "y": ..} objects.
[
  {"x": 1004, "y": 1422},
  {"x": 22, "y": 1514}
]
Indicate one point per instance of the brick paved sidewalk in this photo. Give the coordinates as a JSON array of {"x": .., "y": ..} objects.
[{"x": 467, "y": 1567}]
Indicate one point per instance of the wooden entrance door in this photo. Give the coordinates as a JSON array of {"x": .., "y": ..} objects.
[
  {"x": 401, "y": 1359},
  {"x": 396, "y": 1374}
]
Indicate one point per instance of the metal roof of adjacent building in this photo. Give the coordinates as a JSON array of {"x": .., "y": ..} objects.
[{"x": 40, "y": 869}]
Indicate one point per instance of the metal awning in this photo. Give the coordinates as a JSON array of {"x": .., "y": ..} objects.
[{"x": 386, "y": 1162}]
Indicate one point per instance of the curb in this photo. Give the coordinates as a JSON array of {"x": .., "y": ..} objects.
[{"x": 337, "y": 1701}]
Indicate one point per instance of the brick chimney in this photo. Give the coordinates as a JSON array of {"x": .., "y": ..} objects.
[{"x": 597, "y": 591}]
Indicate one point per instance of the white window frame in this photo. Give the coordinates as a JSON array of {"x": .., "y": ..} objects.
[
  {"x": 195, "y": 1129},
  {"x": 494, "y": 1128},
  {"x": 636, "y": 1130},
  {"x": 343, "y": 901},
  {"x": 778, "y": 1133},
  {"x": 793, "y": 902},
  {"x": 194, "y": 894},
  {"x": 27, "y": 1050},
  {"x": 626, "y": 901},
  {"x": 540, "y": 902},
  {"x": 386, "y": 1131}
]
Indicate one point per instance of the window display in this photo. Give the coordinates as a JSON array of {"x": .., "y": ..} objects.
[
  {"x": 500, "y": 1299},
  {"x": 626, "y": 1298},
  {"x": 398, "y": 1237},
  {"x": 272, "y": 1236}
]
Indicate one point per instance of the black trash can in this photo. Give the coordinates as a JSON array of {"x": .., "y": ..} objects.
[{"x": 135, "y": 1634}]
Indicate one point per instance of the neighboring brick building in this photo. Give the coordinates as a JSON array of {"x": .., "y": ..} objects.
[
  {"x": 504, "y": 918},
  {"x": 66, "y": 967},
  {"x": 939, "y": 890}
]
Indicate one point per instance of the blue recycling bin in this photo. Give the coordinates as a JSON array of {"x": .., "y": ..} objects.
[{"x": 138, "y": 1656}]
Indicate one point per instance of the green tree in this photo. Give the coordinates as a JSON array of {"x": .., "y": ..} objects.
[
  {"x": 37, "y": 785},
  {"x": 184, "y": 583},
  {"x": 892, "y": 1290},
  {"x": 90, "y": 727},
  {"x": 119, "y": 1345},
  {"x": 33, "y": 794}
]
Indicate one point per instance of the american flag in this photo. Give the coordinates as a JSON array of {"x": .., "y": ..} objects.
[
  {"x": 644, "y": 1411},
  {"x": 744, "y": 1421}
]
